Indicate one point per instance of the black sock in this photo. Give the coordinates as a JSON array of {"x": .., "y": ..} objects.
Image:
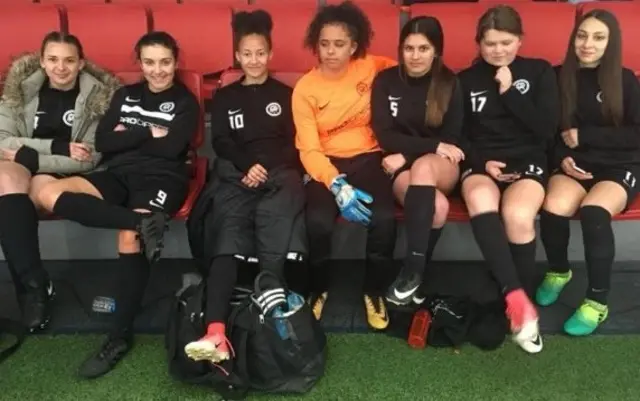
[
  {"x": 17, "y": 281},
  {"x": 95, "y": 212},
  {"x": 275, "y": 264},
  {"x": 434, "y": 237},
  {"x": 419, "y": 204},
  {"x": 223, "y": 275},
  {"x": 297, "y": 278},
  {"x": 494, "y": 245},
  {"x": 19, "y": 240},
  {"x": 599, "y": 249},
  {"x": 554, "y": 233},
  {"x": 133, "y": 275},
  {"x": 524, "y": 257},
  {"x": 377, "y": 278},
  {"x": 319, "y": 276}
]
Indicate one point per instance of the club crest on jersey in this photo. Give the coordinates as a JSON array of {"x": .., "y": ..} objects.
[
  {"x": 67, "y": 117},
  {"x": 599, "y": 96},
  {"x": 273, "y": 109},
  {"x": 167, "y": 107},
  {"x": 362, "y": 88},
  {"x": 522, "y": 85}
]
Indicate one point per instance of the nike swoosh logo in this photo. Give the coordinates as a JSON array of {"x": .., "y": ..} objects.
[
  {"x": 128, "y": 99},
  {"x": 394, "y": 98},
  {"x": 323, "y": 106},
  {"x": 50, "y": 289},
  {"x": 478, "y": 93},
  {"x": 234, "y": 111},
  {"x": 404, "y": 294},
  {"x": 537, "y": 341}
]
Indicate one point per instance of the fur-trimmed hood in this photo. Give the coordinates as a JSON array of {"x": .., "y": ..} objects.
[{"x": 25, "y": 78}]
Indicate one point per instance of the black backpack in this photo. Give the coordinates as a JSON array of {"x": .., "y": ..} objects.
[
  {"x": 186, "y": 324},
  {"x": 276, "y": 355}
]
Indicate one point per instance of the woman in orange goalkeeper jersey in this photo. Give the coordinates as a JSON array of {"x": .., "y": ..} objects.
[{"x": 338, "y": 149}]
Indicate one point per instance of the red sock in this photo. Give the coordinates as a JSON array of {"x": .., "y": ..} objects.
[
  {"x": 216, "y": 328},
  {"x": 514, "y": 295}
]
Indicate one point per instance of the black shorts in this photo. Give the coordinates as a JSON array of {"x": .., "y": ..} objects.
[
  {"x": 161, "y": 193},
  {"x": 627, "y": 178},
  {"x": 533, "y": 167},
  {"x": 407, "y": 166}
]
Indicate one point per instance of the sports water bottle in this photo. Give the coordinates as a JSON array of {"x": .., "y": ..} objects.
[
  {"x": 281, "y": 324},
  {"x": 294, "y": 302},
  {"x": 419, "y": 329}
]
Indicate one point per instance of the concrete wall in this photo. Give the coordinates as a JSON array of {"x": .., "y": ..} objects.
[{"x": 62, "y": 240}]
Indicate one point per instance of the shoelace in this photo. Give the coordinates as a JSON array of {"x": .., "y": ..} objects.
[
  {"x": 556, "y": 279},
  {"x": 592, "y": 311},
  {"x": 232, "y": 354}
]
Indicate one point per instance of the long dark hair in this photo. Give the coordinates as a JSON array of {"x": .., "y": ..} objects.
[
  {"x": 609, "y": 72},
  {"x": 442, "y": 78}
]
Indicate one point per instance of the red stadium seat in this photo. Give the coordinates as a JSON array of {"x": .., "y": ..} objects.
[
  {"x": 459, "y": 23},
  {"x": 193, "y": 81},
  {"x": 458, "y": 212},
  {"x": 65, "y": 2},
  {"x": 24, "y": 26},
  {"x": 628, "y": 14},
  {"x": 108, "y": 32},
  {"x": 365, "y": 2},
  {"x": 547, "y": 27},
  {"x": 199, "y": 166},
  {"x": 143, "y": 2},
  {"x": 633, "y": 213},
  {"x": 229, "y": 3},
  {"x": 289, "y": 27},
  {"x": 270, "y": 3},
  {"x": 195, "y": 26},
  {"x": 289, "y": 78}
]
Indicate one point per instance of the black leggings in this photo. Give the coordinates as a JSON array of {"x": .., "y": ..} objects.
[
  {"x": 223, "y": 274},
  {"x": 363, "y": 172}
]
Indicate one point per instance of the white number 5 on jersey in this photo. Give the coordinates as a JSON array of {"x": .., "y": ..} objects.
[{"x": 393, "y": 105}]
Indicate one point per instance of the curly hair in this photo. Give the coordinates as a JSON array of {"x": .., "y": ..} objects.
[
  {"x": 348, "y": 14},
  {"x": 247, "y": 23}
]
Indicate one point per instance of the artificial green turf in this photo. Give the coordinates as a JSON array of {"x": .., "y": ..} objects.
[{"x": 361, "y": 367}]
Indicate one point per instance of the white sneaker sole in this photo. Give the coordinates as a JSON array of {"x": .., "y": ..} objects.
[
  {"x": 529, "y": 338},
  {"x": 204, "y": 351}
]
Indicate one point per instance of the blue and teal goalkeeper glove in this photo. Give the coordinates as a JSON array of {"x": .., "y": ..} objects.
[{"x": 351, "y": 201}]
